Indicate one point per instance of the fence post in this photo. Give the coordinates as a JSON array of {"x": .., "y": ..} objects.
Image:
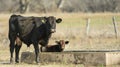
[
  {"x": 87, "y": 26},
  {"x": 115, "y": 26}
]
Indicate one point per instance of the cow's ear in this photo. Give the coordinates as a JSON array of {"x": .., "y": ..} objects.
[
  {"x": 44, "y": 20},
  {"x": 66, "y": 42},
  {"x": 59, "y": 20}
]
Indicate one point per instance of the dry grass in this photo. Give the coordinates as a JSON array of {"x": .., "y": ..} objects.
[
  {"x": 73, "y": 28},
  {"x": 34, "y": 65}
]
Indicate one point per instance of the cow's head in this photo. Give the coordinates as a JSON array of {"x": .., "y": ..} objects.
[
  {"x": 51, "y": 23},
  {"x": 62, "y": 44}
]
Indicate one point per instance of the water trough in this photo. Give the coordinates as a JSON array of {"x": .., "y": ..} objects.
[{"x": 86, "y": 57}]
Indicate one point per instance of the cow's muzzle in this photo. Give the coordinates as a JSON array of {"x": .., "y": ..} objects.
[{"x": 53, "y": 30}]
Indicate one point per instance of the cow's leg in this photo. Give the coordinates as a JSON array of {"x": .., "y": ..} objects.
[
  {"x": 12, "y": 44},
  {"x": 17, "y": 49},
  {"x": 36, "y": 47}
]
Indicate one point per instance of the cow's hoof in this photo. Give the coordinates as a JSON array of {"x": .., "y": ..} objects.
[
  {"x": 37, "y": 60},
  {"x": 17, "y": 60},
  {"x": 11, "y": 60},
  {"x": 38, "y": 63}
]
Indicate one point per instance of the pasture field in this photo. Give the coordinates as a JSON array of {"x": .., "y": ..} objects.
[{"x": 73, "y": 28}]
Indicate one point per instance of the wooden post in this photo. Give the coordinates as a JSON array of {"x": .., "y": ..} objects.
[
  {"x": 115, "y": 27},
  {"x": 87, "y": 26}
]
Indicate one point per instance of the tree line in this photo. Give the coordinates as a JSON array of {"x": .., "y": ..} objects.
[{"x": 44, "y": 6}]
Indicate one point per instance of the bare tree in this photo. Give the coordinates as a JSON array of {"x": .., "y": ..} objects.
[
  {"x": 23, "y": 5},
  {"x": 60, "y": 4}
]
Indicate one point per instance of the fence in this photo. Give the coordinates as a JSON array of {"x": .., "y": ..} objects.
[{"x": 114, "y": 24}]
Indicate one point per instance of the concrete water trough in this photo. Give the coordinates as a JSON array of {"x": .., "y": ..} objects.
[{"x": 91, "y": 58}]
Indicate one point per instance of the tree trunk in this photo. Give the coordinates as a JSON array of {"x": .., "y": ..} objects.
[{"x": 23, "y": 5}]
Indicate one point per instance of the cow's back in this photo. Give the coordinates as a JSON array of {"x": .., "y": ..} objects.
[{"x": 25, "y": 25}]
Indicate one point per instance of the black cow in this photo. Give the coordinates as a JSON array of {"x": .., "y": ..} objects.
[
  {"x": 58, "y": 47},
  {"x": 30, "y": 30}
]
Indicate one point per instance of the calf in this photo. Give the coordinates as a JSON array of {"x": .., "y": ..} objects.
[{"x": 59, "y": 47}]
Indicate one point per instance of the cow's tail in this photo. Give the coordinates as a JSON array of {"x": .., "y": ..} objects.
[{"x": 12, "y": 22}]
